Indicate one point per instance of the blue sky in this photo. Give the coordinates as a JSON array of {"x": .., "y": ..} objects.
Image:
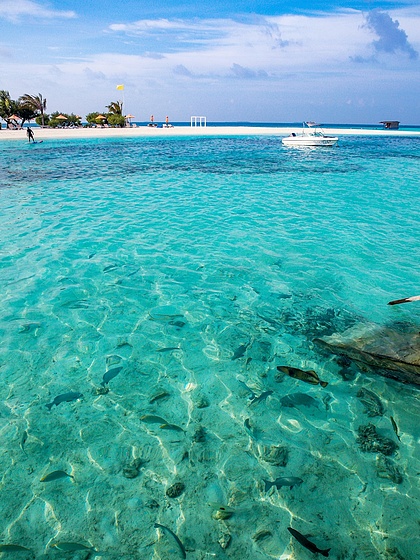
[{"x": 244, "y": 60}]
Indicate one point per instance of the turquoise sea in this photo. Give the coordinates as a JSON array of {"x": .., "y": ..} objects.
[{"x": 169, "y": 278}]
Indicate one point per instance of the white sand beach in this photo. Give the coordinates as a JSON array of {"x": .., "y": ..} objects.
[{"x": 146, "y": 131}]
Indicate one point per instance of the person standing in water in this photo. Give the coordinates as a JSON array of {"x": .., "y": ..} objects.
[{"x": 30, "y": 134}]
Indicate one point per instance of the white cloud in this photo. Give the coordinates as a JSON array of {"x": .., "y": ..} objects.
[
  {"x": 15, "y": 10},
  {"x": 267, "y": 64},
  {"x": 264, "y": 44},
  {"x": 263, "y": 48},
  {"x": 146, "y": 26}
]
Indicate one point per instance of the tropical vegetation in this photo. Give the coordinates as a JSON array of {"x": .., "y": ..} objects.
[
  {"x": 33, "y": 107},
  {"x": 36, "y": 103},
  {"x": 115, "y": 115},
  {"x": 16, "y": 113},
  {"x": 8, "y": 107},
  {"x": 94, "y": 118},
  {"x": 115, "y": 108},
  {"x": 58, "y": 119}
]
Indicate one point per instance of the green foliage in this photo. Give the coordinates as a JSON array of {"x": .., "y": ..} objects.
[
  {"x": 29, "y": 107},
  {"x": 74, "y": 119},
  {"x": 91, "y": 118},
  {"x": 7, "y": 106},
  {"x": 115, "y": 120},
  {"x": 54, "y": 122},
  {"x": 115, "y": 108},
  {"x": 70, "y": 120},
  {"x": 36, "y": 103},
  {"x": 23, "y": 108},
  {"x": 25, "y": 113},
  {"x": 38, "y": 120}
]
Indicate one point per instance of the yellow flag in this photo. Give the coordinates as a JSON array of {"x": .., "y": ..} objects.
[{"x": 121, "y": 86}]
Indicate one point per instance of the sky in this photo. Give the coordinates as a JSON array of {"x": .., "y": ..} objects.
[{"x": 228, "y": 60}]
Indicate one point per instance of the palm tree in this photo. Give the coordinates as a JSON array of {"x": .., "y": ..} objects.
[
  {"x": 25, "y": 113},
  {"x": 37, "y": 103},
  {"x": 115, "y": 108},
  {"x": 7, "y": 106}
]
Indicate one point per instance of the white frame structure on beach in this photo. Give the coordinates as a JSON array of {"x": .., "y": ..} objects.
[{"x": 198, "y": 121}]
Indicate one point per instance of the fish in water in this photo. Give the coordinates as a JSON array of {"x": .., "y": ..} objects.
[
  {"x": 172, "y": 427},
  {"x": 249, "y": 428},
  {"x": 72, "y": 547},
  {"x": 179, "y": 543},
  {"x": 395, "y": 427},
  {"x": 308, "y": 376},
  {"x": 110, "y": 374},
  {"x": 296, "y": 399},
  {"x": 178, "y": 324},
  {"x": 109, "y": 268},
  {"x": 133, "y": 273},
  {"x": 221, "y": 512},
  {"x": 65, "y": 397},
  {"x": 159, "y": 396},
  {"x": 29, "y": 327},
  {"x": 254, "y": 399},
  {"x": 168, "y": 349},
  {"x": 404, "y": 300},
  {"x": 371, "y": 402},
  {"x": 55, "y": 475},
  {"x": 76, "y": 304},
  {"x": 252, "y": 394},
  {"x": 307, "y": 544},
  {"x": 13, "y": 548},
  {"x": 152, "y": 419},
  {"x": 282, "y": 481},
  {"x": 23, "y": 440},
  {"x": 239, "y": 352}
]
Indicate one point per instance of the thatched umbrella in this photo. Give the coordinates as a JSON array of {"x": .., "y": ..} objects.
[{"x": 128, "y": 118}]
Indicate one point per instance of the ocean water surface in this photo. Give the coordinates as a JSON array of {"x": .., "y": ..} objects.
[{"x": 150, "y": 289}]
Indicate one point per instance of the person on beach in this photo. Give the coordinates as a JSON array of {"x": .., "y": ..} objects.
[{"x": 30, "y": 134}]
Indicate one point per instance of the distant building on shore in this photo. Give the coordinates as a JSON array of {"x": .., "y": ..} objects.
[{"x": 394, "y": 125}]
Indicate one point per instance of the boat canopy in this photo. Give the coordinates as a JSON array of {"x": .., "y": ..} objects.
[{"x": 391, "y": 124}]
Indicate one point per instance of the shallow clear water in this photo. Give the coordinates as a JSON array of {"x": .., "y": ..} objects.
[{"x": 198, "y": 266}]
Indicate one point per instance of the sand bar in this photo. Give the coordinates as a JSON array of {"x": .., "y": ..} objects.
[{"x": 150, "y": 132}]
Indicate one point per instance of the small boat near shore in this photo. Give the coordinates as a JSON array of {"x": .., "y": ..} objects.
[{"x": 311, "y": 135}]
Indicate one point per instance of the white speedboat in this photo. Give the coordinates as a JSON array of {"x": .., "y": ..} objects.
[{"x": 311, "y": 135}]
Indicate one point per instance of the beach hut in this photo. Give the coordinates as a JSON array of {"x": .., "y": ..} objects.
[
  {"x": 128, "y": 119},
  {"x": 391, "y": 125}
]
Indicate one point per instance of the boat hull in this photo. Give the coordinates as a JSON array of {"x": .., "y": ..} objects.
[{"x": 308, "y": 140}]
